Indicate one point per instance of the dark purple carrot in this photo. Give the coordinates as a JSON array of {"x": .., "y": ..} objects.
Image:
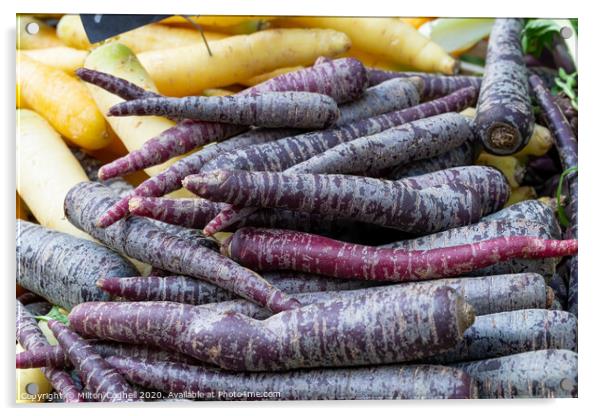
[
  {"x": 31, "y": 337},
  {"x": 265, "y": 249},
  {"x": 534, "y": 374},
  {"x": 306, "y": 110},
  {"x": 483, "y": 231},
  {"x": 342, "y": 79},
  {"x": 435, "y": 85},
  {"x": 372, "y": 328},
  {"x": 64, "y": 269},
  {"x": 115, "y": 85},
  {"x": 364, "y": 383},
  {"x": 382, "y": 202},
  {"x": 566, "y": 144},
  {"x": 39, "y": 308},
  {"x": 139, "y": 238},
  {"x": 463, "y": 155},
  {"x": 504, "y": 120},
  {"x": 184, "y": 289},
  {"x": 30, "y": 297},
  {"x": 561, "y": 55},
  {"x": 98, "y": 376},
  {"x": 513, "y": 332},
  {"x": 532, "y": 211},
  {"x": 55, "y": 356}
]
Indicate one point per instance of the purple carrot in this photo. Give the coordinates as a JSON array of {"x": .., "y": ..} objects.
[
  {"x": 366, "y": 383},
  {"x": 102, "y": 380},
  {"x": 55, "y": 356},
  {"x": 504, "y": 120},
  {"x": 566, "y": 144},
  {"x": 141, "y": 239},
  {"x": 63, "y": 269},
  {"x": 463, "y": 155},
  {"x": 184, "y": 289},
  {"x": 264, "y": 249},
  {"x": 305, "y": 110},
  {"x": 39, "y": 308},
  {"x": 31, "y": 337},
  {"x": 384, "y": 203},
  {"x": 435, "y": 85},
  {"x": 561, "y": 55},
  {"x": 342, "y": 79},
  {"x": 29, "y": 297},
  {"x": 532, "y": 211},
  {"x": 340, "y": 332},
  {"x": 115, "y": 85}
]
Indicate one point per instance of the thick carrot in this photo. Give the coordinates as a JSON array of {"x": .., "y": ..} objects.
[
  {"x": 504, "y": 119},
  {"x": 31, "y": 337},
  {"x": 265, "y": 249},
  {"x": 435, "y": 85},
  {"x": 102, "y": 380},
  {"x": 139, "y": 238},
  {"x": 340, "y": 332},
  {"x": 513, "y": 332},
  {"x": 548, "y": 373},
  {"x": 462, "y": 155},
  {"x": 384, "y": 203},
  {"x": 366, "y": 383},
  {"x": 63, "y": 269},
  {"x": 55, "y": 356},
  {"x": 483, "y": 231},
  {"x": 115, "y": 85},
  {"x": 533, "y": 211},
  {"x": 341, "y": 79}
]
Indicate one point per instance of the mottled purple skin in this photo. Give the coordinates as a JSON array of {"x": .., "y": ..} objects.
[
  {"x": 269, "y": 249},
  {"x": 184, "y": 289},
  {"x": 513, "y": 332},
  {"x": 463, "y": 155},
  {"x": 304, "y": 110},
  {"x": 504, "y": 121},
  {"x": 369, "y": 155},
  {"x": 364, "y": 383},
  {"x": 532, "y": 211},
  {"x": 139, "y": 238},
  {"x": 546, "y": 74},
  {"x": 372, "y": 328},
  {"x": 31, "y": 337},
  {"x": 435, "y": 85},
  {"x": 342, "y": 79},
  {"x": 54, "y": 355},
  {"x": 91, "y": 166},
  {"x": 566, "y": 144},
  {"x": 64, "y": 269},
  {"x": 369, "y": 200},
  {"x": 98, "y": 375},
  {"x": 484, "y": 231},
  {"x": 571, "y": 113},
  {"x": 535, "y": 374},
  {"x": 561, "y": 55},
  {"x": 39, "y": 308},
  {"x": 115, "y": 85}
]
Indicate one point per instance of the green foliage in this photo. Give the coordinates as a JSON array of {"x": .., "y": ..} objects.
[
  {"x": 562, "y": 217},
  {"x": 55, "y": 314},
  {"x": 566, "y": 83},
  {"x": 537, "y": 35}
]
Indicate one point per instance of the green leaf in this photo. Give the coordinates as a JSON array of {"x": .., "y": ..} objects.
[
  {"x": 56, "y": 314},
  {"x": 562, "y": 217},
  {"x": 575, "y": 25},
  {"x": 538, "y": 34},
  {"x": 566, "y": 83},
  {"x": 471, "y": 59}
]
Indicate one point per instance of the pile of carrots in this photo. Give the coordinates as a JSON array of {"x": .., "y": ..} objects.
[{"x": 304, "y": 208}]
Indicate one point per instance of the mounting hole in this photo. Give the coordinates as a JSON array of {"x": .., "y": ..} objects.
[
  {"x": 566, "y": 32},
  {"x": 32, "y": 28}
]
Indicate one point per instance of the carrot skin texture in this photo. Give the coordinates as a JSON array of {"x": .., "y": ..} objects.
[
  {"x": 265, "y": 249},
  {"x": 504, "y": 121},
  {"x": 63, "y": 269},
  {"x": 139, "y": 238},
  {"x": 342, "y": 79},
  {"x": 31, "y": 337},
  {"x": 486, "y": 230},
  {"x": 435, "y": 85},
  {"x": 462, "y": 155},
  {"x": 55, "y": 356},
  {"x": 566, "y": 144},
  {"x": 513, "y": 332},
  {"x": 98, "y": 376},
  {"x": 332, "y": 333},
  {"x": 277, "y": 109},
  {"x": 371, "y": 383},
  {"x": 115, "y": 85},
  {"x": 548, "y": 373}
]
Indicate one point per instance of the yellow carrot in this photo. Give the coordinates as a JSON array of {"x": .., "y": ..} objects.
[
  {"x": 61, "y": 57},
  {"x": 520, "y": 194},
  {"x": 217, "y": 21},
  {"x": 217, "y": 92},
  {"x": 62, "y": 100},
  {"x": 44, "y": 38},
  {"x": 511, "y": 167},
  {"x": 189, "y": 70},
  {"x": 374, "y": 61},
  {"x": 46, "y": 171},
  {"x": 387, "y": 37},
  {"x": 32, "y": 385},
  {"x": 415, "y": 22},
  {"x": 269, "y": 75},
  {"x": 146, "y": 38}
]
